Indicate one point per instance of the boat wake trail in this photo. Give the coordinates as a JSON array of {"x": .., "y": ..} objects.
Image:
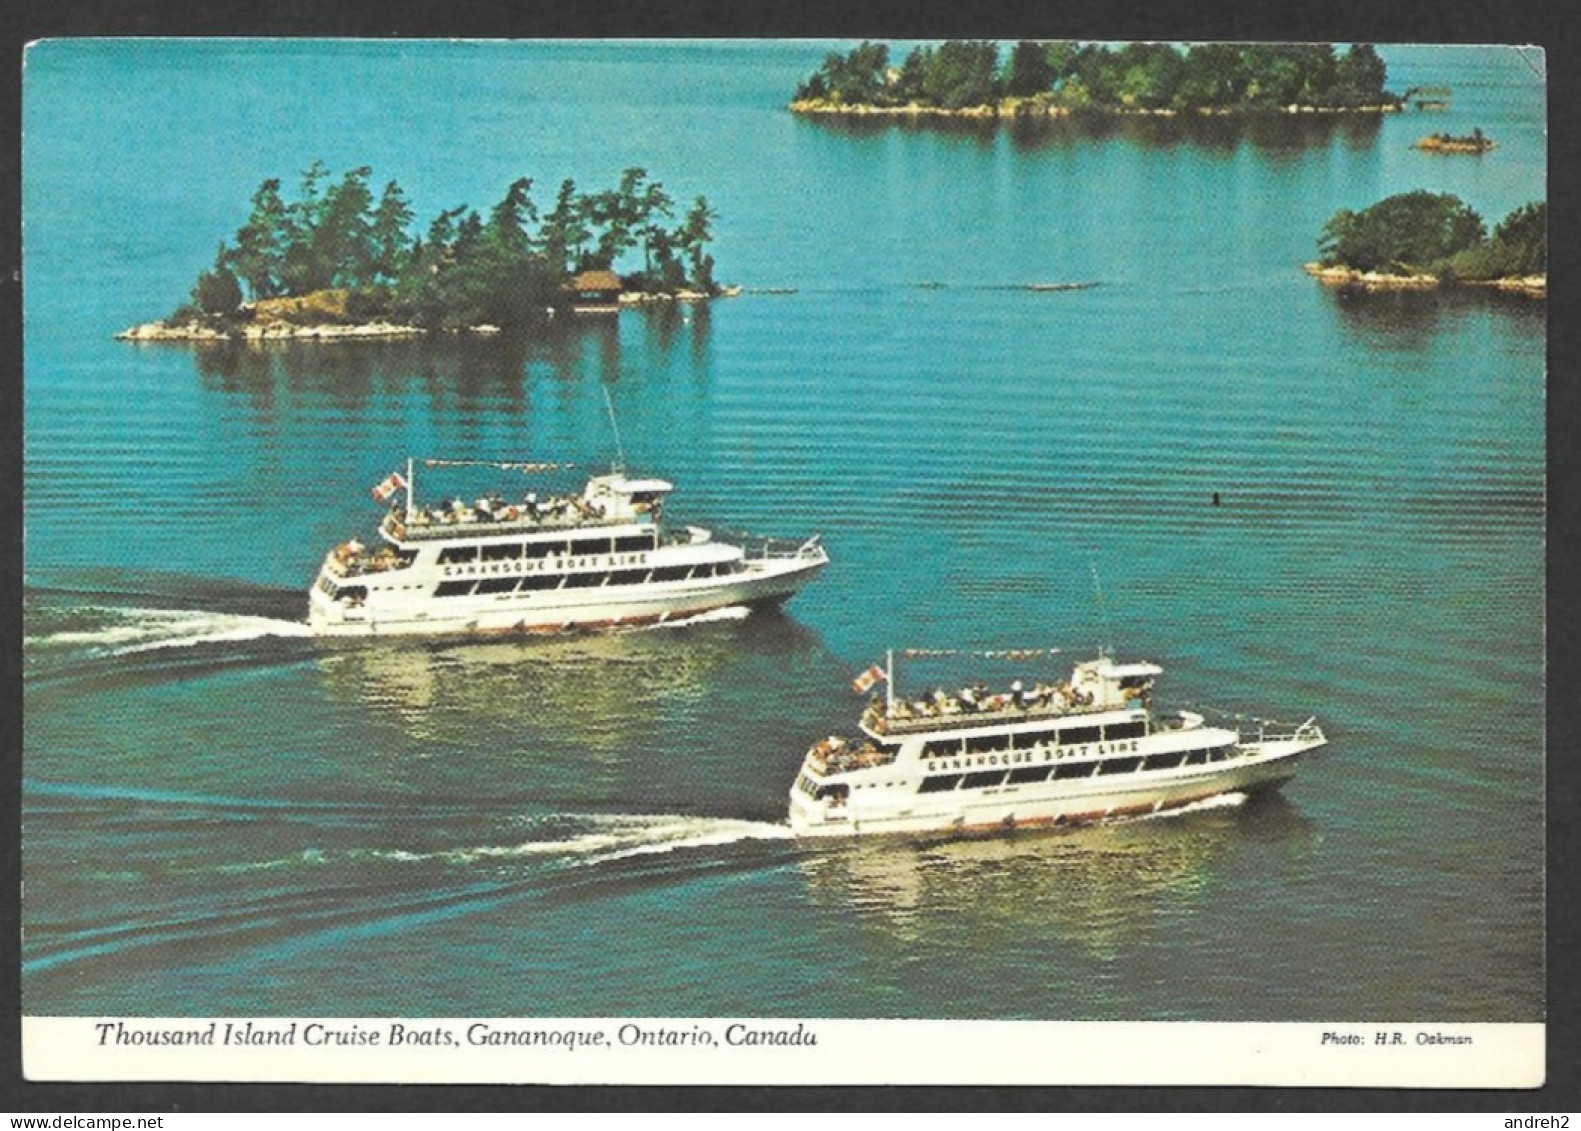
[
  {"x": 126, "y": 631},
  {"x": 1232, "y": 800},
  {"x": 611, "y": 838},
  {"x": 712, "y": 616},
  {"x": 293, "y": 881}
]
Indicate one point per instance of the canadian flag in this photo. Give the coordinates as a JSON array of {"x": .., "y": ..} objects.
[
  {"x": 390, "y": 486},
  {"x": 868, "y": 678}
]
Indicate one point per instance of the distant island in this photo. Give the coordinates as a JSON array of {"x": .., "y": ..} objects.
[
  {"x": 965, "y": 79},
  {"x": 1421, "y": 240},
  {"x": 1474, "y": 142},
  {"x": 335, "y": 263}
]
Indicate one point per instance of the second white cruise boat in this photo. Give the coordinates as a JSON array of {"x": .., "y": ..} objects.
[
  {"x": 1065, "y": 753},
  {"x": 598, "y": 558}
]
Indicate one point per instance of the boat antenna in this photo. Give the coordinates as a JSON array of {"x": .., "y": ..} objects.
[
  {"x": 1103, "y": 612},
  {"x": 411, "y": 490},
  {"x": 889, "y": 682},
  {"x": 620, "y": 452}
]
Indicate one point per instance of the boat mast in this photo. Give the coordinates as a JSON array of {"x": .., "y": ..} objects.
[
  {"x": 889, "y": 681},
  {"x": 1103, "y": 612},
  {"x": 411, "y": 489},
  {"x": 620, "y": 453}
]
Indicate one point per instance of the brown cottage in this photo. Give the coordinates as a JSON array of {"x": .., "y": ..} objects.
[{"x": 596, "y": 292}]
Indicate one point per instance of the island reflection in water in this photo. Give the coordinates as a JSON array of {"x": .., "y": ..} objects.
[
  {"x": 462, "y": 372},
  {"x": 1271, "y": 133}
]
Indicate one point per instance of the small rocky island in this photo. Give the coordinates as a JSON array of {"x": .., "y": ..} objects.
[
  {"x": 1421, "y": 241},
  {"x": 965, "y": 79},
  {"x": 1474, "y": 142},
  {"x": 335, "y": 263}
]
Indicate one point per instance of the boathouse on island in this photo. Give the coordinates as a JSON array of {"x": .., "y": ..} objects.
[{"x": 595, "y": 292}]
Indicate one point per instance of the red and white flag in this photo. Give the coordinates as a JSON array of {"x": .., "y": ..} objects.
[
  {"x": 868, "y": 678},
  {"x": 395, "y": 482}
]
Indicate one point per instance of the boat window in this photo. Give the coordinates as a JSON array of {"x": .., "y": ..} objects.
[
  {"x": 585, "y": 580},
  {"x": 1072, "y": 770},
  {"x": 582, "y": 546},
  {"x": 985, "y": 743},
  {"x": 939, "y": 783},
  {"x": 670, "y": 573},
  {"x": 1023, "y": 774},
  {"x": 628, "y": 577},
  {"x": 502, "y": 552},
  {"x": 838, "y": 790},
  {"x": 1161, "y": 761},
  {"x": 941, "y": 748},
  {"x": 454, "y": 588},
  {"x": 1076, "y": 736},
  {"x": 1114, "y": 731},
  {"x": 632, "y": 543},
  {"x": 458, "y": 554},
  {"x": 1119, "y": 765},
  {"x": 983, "y": 780},
  {"x": 1196, "y": 757},
  {"x": 1026, "y": 740},
  {"x": 545, "y": 549},
  {"x": 354, "y": 592},
  {"x": 497, "y": 585},
  {"x": 542, "y": 581},
  {"x": 1219, "y": 753}
]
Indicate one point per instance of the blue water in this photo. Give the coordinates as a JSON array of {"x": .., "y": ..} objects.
[{"x": 221, "y": 816}]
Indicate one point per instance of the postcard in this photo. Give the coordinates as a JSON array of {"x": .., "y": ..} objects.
[{"x": 784, "y": 562}]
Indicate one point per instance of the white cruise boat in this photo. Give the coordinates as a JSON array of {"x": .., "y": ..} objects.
[
  {"x": 601, "y": 558},
  {"x": 1058, "y": 754}
]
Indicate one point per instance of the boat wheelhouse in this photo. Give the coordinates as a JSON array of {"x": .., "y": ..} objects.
[
  {"x": 601, "y": 557},
  {"x": 1051, "y": 754}
]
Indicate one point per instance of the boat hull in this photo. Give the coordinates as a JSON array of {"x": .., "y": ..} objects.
[
  {"x": 902, "y": 811},
  {"x": 765, "y": 583}
]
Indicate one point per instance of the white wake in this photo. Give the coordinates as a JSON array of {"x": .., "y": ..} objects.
[
  {"x": 141, "y": 630},
  {"x": 613, "y": 838}
]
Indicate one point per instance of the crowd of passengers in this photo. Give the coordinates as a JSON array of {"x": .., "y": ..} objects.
[
  {"x": 354, "y": 558},
  {"x": 976, "y": 699},
  {"x": 555, "y": 510},
  {"x": 836, "y": 754}
]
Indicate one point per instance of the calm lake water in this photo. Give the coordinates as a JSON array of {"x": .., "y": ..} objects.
[{"x": 223, "y": 817}]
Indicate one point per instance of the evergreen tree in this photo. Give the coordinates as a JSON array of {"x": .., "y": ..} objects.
[
  {"x": 388, "y": 240},
  {"x": 258, "y": 258},
  {"x": 1029, "y": 71},
  {"x": 692, "y": 240}
]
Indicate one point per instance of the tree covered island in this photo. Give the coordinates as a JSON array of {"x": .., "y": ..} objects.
[
  {"x": 1058, "y": 78},
  {"x": 1418, "y": 240},
  {"x": 338, "y": 262}
]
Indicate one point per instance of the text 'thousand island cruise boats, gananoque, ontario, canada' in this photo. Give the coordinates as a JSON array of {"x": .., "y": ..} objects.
[
  {"x": 601, "y": 558},
  {"x": 1049, "y": 755}
]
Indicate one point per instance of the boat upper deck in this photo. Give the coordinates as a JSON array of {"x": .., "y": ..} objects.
[
  {"x": 430, "y": 524},
  {"x": 924, "y": 716}
]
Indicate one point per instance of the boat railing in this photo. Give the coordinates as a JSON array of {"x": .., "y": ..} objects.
[
  {"x": 1308, "y": 731},
  {"x": 790, "y": 549}
]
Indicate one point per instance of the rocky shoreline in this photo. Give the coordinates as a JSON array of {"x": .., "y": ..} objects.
[
  {"x": 271, "y": 331},
  {"x": 272, "y": 328},
  {"x": 1023, "y": 108},
  {"x": 1534, "y": 286}
]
